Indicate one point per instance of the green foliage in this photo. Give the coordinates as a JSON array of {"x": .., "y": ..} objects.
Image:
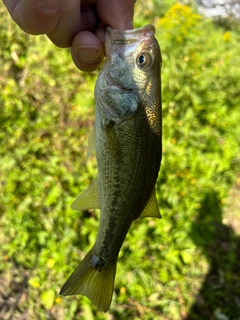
[{"x": 46, "y": 112}]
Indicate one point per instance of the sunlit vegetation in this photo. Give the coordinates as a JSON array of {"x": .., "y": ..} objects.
[{"x": 184, "y": 266}]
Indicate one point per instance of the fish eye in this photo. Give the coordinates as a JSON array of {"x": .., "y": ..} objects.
[{"x": 144, "y": 60}]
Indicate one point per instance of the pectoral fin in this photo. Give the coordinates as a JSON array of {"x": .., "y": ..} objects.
[
  {"x": 88, "y": 199},
  {"x": 91, "y": 142},
  {"x": 152, "y": 208},
  {"x": 112, "y": 140}
]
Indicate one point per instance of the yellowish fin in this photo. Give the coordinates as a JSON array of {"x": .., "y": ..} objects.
[
  {"x": 91, "y": 142},
  {"x": 92, "y": 281},
  {"x": 152, "y": 207},
  {"x": 88, "y": 199}
]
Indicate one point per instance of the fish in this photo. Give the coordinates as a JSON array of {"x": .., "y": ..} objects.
[{"x": 127, "y": 139}]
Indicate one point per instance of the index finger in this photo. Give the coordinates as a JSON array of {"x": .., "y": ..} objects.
[{"x": 34, "y": 16}]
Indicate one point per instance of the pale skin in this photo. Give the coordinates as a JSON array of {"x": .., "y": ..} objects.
[{"x": 79, "y": 24}]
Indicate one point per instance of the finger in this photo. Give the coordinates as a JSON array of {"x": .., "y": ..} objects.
[
  {"x": 87, "y": 51},
  {"x": 89, "y": 18},
  {"x": 100, "y": 32},
  {"x": 72, "y": 20},
  {"x": 119, "y": 14},
  {"x": 68, "y": 25},
  {"x": 34, "y": 16}
]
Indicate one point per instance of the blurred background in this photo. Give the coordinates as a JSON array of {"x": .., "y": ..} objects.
[{"x": 185, "y": 266}]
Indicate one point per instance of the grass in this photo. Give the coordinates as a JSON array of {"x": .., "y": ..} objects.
[{"x": 185, "y": 266}]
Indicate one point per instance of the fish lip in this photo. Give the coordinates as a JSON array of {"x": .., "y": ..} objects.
[
  {"x": 122, "y": 89},
  {"x": 116, "y": 86},
  {"x": 119, "y": 89}
]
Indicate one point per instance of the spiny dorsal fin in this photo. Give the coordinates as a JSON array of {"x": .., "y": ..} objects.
[
  {"x": 88, "y": 199},
  {"x": 152, "y": 208},
  {"x": 91, "y": 142}
]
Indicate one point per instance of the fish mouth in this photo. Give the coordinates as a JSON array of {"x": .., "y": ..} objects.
[
  {"x": 112, "y": 85},
  {"x": 119, "y": 90},
  {"x": 123, "y": 41},
  {"x": 122, "y": 89}
]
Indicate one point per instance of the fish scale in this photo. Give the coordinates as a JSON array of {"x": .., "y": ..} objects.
[{"x": 128, "y": 143}]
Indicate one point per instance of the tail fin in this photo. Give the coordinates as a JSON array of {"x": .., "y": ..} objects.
[{"x": 95, "y": 283}]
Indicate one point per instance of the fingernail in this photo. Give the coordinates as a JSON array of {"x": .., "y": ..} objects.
[
  {"x": 89, "y": 54},
  {"x": 49, "y": 5}
]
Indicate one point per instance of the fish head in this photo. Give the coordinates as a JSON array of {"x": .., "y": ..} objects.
[{"x": 131, "y": 74}]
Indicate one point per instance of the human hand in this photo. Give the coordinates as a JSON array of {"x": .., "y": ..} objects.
[{"x": 79, "y": 24}]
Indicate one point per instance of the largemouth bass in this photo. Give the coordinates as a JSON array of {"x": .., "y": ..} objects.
[{"x": 128, "y": 143}]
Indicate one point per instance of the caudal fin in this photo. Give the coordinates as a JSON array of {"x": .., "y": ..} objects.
[{"x": 91, "y": 281}]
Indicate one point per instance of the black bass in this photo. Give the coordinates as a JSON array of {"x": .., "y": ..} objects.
[{"x": 128, "y": 142}]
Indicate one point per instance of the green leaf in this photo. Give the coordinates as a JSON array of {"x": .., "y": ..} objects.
[{"x": 47, "y": 298}]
